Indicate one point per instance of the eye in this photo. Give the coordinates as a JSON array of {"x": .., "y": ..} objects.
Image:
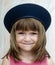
[
  {"x": 20, "y": 33},
  {"x": 34, "y": 33}
]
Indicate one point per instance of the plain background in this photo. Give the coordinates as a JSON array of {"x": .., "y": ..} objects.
[{"x": 5, "y": 5}]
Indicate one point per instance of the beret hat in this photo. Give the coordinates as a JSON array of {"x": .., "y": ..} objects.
[{"x": 25, "y": 11}]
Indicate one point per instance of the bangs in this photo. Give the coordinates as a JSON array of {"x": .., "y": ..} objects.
[{"x": 27, "y": 24}]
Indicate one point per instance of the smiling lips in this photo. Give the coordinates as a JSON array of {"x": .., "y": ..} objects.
[{"x": 27, "y": 43}]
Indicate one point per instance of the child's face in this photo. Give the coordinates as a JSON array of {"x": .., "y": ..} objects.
[{"x": 26, "y": 40}]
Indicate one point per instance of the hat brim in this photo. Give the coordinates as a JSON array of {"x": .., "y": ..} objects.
[{"x": 25, "y": 11}]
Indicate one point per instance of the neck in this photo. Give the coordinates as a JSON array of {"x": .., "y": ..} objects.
[{"x": 26, "y": 56}]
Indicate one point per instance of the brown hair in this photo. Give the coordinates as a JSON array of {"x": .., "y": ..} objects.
[{"x": 29, "y": 24}]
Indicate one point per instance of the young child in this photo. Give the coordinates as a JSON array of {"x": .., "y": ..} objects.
[{"x": 27, "y": 24}]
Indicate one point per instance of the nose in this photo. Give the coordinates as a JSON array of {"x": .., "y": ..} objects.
[{"x": 27, "y": 38}]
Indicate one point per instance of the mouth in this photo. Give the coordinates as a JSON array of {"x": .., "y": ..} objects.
[{"x": 27, "y": 43}]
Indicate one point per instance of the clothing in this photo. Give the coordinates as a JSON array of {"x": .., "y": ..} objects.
[{"x": 12, "y": 62}]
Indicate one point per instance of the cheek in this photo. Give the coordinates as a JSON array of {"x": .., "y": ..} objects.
[
  {"x": 35, "y": 38},
  {"x": 19, "y": 39}
]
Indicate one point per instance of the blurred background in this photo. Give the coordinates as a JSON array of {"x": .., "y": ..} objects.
[{"x": 5, "y": 5}]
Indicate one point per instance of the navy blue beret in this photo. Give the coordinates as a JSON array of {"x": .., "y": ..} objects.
[{"x": 25, "y": 11}]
